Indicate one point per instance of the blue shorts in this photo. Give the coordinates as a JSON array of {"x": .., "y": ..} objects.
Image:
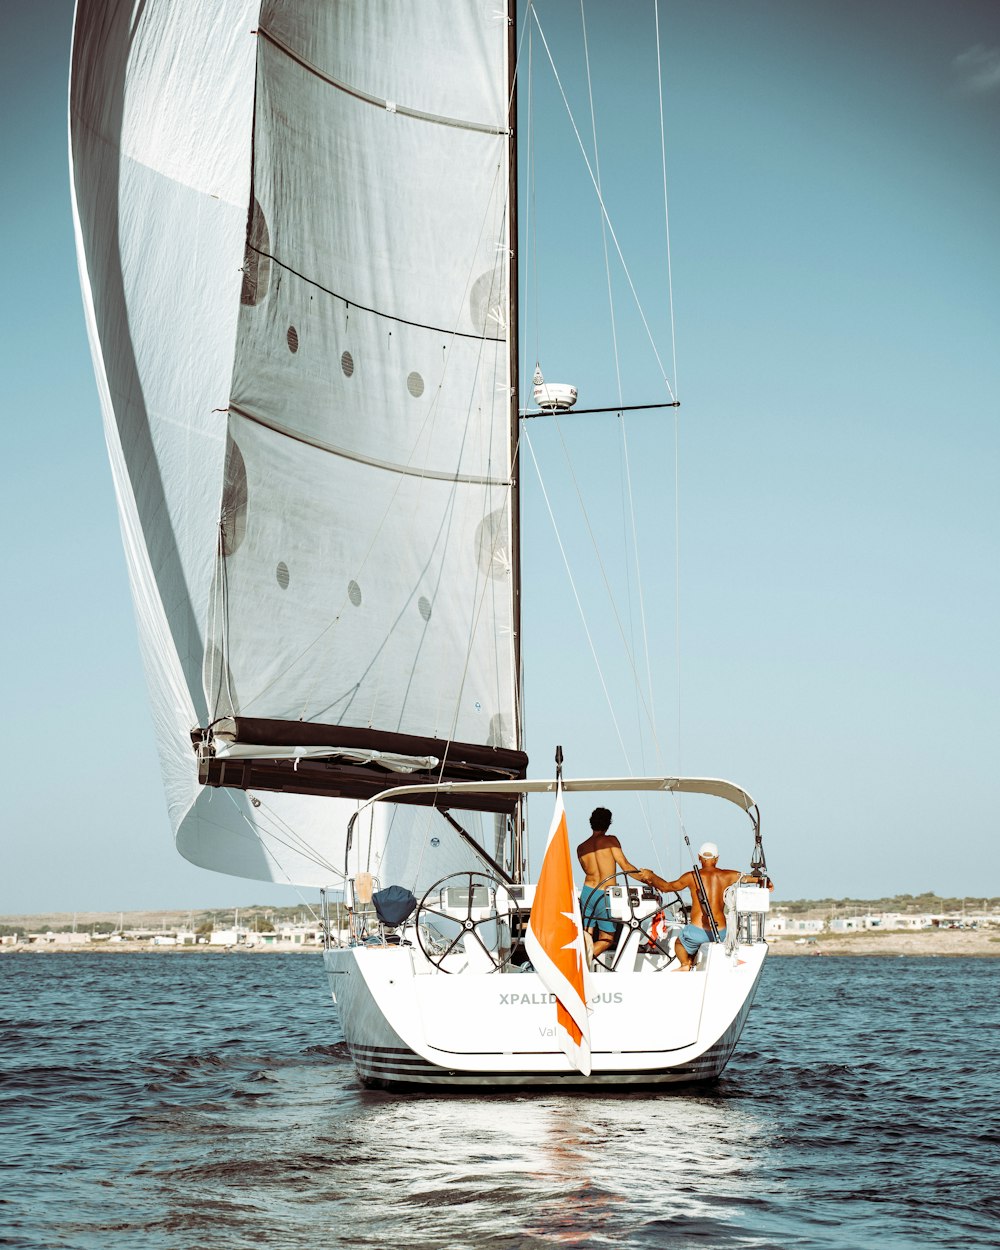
[
  {"x": 692, "y": 936},
  {"x": 596, "y": 913}
]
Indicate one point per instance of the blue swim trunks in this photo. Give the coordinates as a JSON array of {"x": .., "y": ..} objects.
[
  {"x": 596, "y": 913},
  {"x": 692, "y": 936}
]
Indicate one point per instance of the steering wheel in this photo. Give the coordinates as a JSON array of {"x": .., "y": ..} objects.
[
  {"x": 643, "y": 923},
  {"x": 437, "y": 950}
]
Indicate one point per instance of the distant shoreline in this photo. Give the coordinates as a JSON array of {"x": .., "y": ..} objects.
[
  {"x": 919, "y": 943},
  {"x": 924, "y": 943},
  {"x": 139, "y": 948}
]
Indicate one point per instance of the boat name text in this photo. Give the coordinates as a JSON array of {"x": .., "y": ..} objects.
[{"x": 536, "y": 1000}]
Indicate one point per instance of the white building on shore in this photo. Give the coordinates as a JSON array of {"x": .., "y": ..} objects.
[{"x": 797, "y": 926}]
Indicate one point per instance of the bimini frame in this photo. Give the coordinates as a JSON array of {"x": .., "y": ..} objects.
[{"x": 714, "y": 786}]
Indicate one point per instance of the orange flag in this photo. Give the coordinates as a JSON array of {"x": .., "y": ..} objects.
[{"x": 554, "y": 941}]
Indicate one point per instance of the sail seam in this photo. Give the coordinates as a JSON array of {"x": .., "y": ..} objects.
[
  {"x": 389, "y": 105},
  {"x": 375, "y": 312},
  {"x": 439, "y": 475}
]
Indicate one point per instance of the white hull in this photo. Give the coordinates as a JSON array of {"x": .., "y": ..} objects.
[{"x": 405, "y": 1023}]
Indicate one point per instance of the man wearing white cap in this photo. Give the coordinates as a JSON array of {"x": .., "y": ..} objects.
[{"x": 716, "y": 881}]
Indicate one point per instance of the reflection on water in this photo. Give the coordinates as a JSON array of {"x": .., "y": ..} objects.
[
  {"x": 175, "y": 1102},
  {"x": 519, "y": 1170}
]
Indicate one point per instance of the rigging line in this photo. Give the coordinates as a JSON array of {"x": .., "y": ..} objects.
[
  {"x": 406, "y": 470},
  {"x": 604, "y": 576},
  {"x": 629, "y": 653},
  {"x": 529, "y": 224},
  {"x": 298, "y": 845},
  {"x": 443, "y": 527},
  {"x": 486, "y": 580},
  {"x": 482, "y": 339},
  {"x": 258, "y": 835},
  {"x": 305, "y": 846},
  {"x": 226, "y": 668},
  {"x": 490, "y": 582},
  {"x": 481, "y": 595},
  {"x": 371, "y": 842},
  {"x": 474, "y": 625},
  {"x": 576, "y": 596},
  {"x": 586, "y": 628},
  {"x": 604, "y": 226},
  {"x": 501, "y": 212},
  {"x": 677, "y": 454},
  {"x": 417, "y": 816},
  {"x": 533, "y": 203},
  {"x": 618, "y": 377},
  {"x": 489, "y": 482},
  {"x": 423, "y": 847},
  {"x": 215, "y": 631},
  {"x": 221, "y": 603},
  {"x": 666, "y": 210},
  {"x": 611, "y": 229},
  {"x": 446, "y": 528},
  {"x": 642, "y": 597},
  {"x": 677, "y": 581},
  {"x": 426, "y": 815},
  {"x": 388, "y": 105},
  {"x": 375, "y": 312},
  {"x": 419, "y": 433}
]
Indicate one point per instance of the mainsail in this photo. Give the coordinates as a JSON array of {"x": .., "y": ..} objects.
[{"x": 295, "y": 244}]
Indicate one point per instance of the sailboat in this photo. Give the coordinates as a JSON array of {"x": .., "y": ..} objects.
[{"x": 297, "y": 239}]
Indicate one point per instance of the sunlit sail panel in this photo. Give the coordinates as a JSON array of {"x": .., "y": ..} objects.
[
  {"x": 161, "y": 109},
  {"x": 162, "y": 103},
  {"x": 364, "y": 575},
  {"x": 321, "y": 631}
]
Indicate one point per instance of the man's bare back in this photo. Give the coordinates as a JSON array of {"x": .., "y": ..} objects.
[
  {"x": 715, "y": 880},
  {"x": 601, "y": 856}
]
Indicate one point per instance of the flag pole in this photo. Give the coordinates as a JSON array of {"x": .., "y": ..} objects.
[{"x": 555, "y": 938}]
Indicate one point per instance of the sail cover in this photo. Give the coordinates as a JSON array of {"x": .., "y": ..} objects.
[{"x": 292, "y": 224}]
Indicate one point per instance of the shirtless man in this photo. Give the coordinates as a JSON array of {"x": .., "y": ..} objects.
[
  {"x": 601, "y": 856},
  {"x": 716, "y": 881}
]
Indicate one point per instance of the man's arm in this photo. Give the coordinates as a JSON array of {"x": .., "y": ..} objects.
[
  {"x": 750, "y": 879},
  {"x": 682, "y": 883},
  {"x": 641, "y": 874}
]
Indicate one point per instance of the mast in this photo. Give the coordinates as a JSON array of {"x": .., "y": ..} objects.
[{"x": 518, "y": 865}]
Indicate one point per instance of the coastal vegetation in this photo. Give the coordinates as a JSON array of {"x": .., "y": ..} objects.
[{"x": 905, "y": 904}]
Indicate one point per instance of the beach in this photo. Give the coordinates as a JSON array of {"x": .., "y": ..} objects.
[{"x": 894, "y": 942}]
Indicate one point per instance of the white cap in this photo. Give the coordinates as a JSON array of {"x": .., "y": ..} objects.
[{"x": 708, "y": 850}]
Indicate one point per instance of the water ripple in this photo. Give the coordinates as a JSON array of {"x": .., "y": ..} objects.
[{"x": 177, "y": 1103}]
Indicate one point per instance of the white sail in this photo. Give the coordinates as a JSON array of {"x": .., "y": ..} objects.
[{"x": 292, "y": 226}]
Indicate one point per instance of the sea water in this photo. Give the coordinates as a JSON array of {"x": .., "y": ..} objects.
[{"x": 191, "y": 1100}]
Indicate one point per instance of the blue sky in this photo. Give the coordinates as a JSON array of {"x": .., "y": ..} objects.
[{"x": 834, "y": 199}]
